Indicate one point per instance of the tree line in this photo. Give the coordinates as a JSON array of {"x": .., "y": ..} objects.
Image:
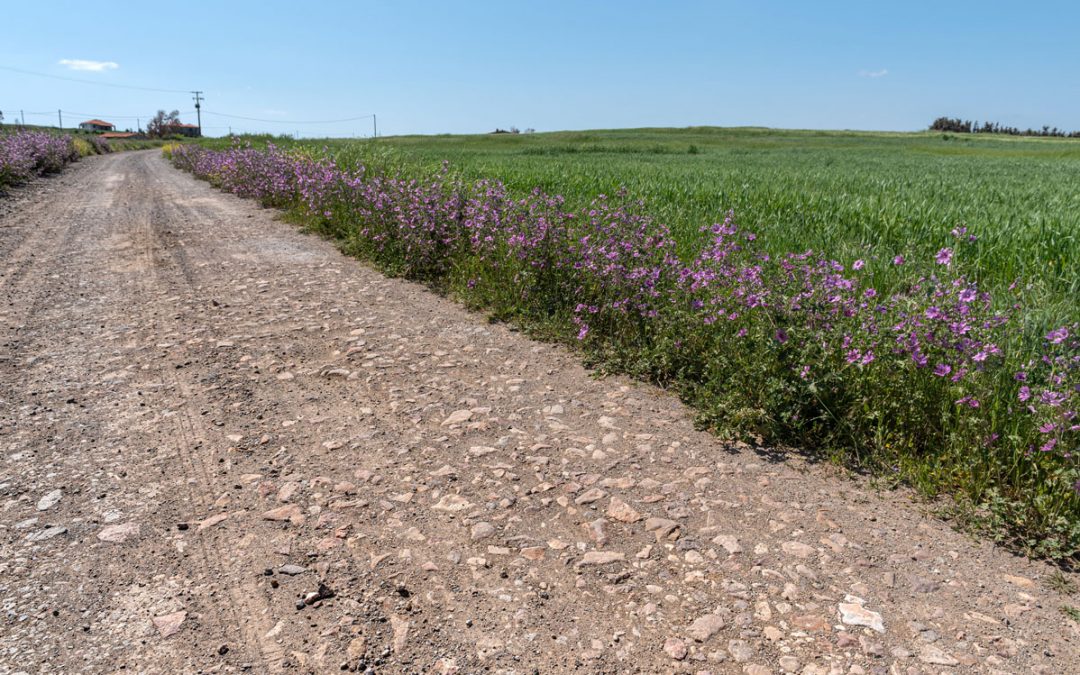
[{"x": 959, "y": 126}]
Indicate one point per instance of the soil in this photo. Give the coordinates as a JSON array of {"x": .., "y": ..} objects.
[{"x": 225, "y": 447}]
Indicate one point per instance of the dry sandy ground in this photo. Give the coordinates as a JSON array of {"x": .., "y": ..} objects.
[{"x": 225, "y": 447}]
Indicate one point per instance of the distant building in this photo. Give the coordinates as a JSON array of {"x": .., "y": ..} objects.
[
  {"x": 190, "y": 130},
  {"x": 97, "y": 125}
]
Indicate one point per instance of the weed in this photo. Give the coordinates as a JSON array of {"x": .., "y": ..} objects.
[{"x": 1061, "y": 583}]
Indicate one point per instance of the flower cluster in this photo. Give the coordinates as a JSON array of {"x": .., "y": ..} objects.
[
  {"x": 793, "y": 347},
  {"x": 25, "y": 154}
]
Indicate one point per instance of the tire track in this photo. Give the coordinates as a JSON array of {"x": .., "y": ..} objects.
[{"x": 172, "y": 271}]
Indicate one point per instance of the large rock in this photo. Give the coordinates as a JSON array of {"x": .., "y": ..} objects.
[
  {"x": 457, "y": 417},
  {"x": 675, "y": 648},
  {"x": 601, "y": 558},
  {"x": 854, "y": 614},
  {"x": 622, "y": 512},
  {"x": 118, "y": 534},
  {"x": 169, "y": 624},
  {"x": 704, "y": 627},
  {"x": 289, "y": 512},
  {"x": 452, "y": 504},
  {"x": 49, "y": 500}
]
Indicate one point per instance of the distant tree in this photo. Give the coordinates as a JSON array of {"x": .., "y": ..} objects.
[
  {"x": 161, "y": 124},
  {"x": 959, "y": 126}
]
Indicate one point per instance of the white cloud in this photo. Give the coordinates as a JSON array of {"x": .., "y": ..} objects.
[
  {"x": 92, "y": 66},
  {"x": 874, "y": 73}
]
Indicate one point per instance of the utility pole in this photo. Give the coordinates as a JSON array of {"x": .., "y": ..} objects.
[
  {"x": 198, "y": 108},
  {"x": 375, "y": 125},
  {"x": 138, "y": 125},
  {"x": 22, "y": 117},
  {"x": 60, "y": 116}
]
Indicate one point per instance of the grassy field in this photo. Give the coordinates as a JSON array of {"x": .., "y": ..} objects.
[
  {"x": 850, "y": 194},
  {"x": 931, "y": 337}
]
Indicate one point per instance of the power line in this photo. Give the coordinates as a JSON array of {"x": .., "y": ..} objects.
[
  {"x": 100, "y": 84},
  {"x": 115, "y": 117},
  {"x": 198, "y": 101},
  {"x": 105, "y": 116},
  {"x": 258, "y": 119},
  {"x": 189, "y": 112}
]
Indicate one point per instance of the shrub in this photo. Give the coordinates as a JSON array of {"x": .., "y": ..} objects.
[{"x": 26, "y": 154}]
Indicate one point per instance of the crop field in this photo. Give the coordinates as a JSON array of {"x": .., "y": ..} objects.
[
  {"x": 902, "y": 304},
  {"x": 849, "y": 194}
]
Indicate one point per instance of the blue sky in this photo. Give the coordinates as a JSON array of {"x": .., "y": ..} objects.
[{"x": 471, "y": 66}]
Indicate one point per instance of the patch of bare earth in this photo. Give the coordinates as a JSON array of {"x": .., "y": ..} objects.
[{"x": 225, "y": 447}]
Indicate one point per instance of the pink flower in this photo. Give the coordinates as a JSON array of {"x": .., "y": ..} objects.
[
  {"x": 944, "y": 257},
  {"x": 1058, "y": 336}
]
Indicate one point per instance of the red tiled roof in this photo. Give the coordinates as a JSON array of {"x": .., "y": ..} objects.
[{"x": 99, "y": 123}]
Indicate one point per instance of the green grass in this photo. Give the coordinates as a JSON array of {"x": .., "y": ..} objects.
[{"x": 851, "y": 194}]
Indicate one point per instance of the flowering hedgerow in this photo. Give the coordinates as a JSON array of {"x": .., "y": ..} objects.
[
  {"x": 26, "y": 154},
  {"x": 935, "y": 380}
]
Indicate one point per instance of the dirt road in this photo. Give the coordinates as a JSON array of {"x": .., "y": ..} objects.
[{"x": 225, "y": 447}]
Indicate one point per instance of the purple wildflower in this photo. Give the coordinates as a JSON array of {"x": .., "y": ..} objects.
[
  {"x": 1057, "y": 336},
  {"x": 1052, "y": 398}
]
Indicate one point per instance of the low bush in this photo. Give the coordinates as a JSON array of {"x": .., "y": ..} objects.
[{"x": 26, "y": 154}]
